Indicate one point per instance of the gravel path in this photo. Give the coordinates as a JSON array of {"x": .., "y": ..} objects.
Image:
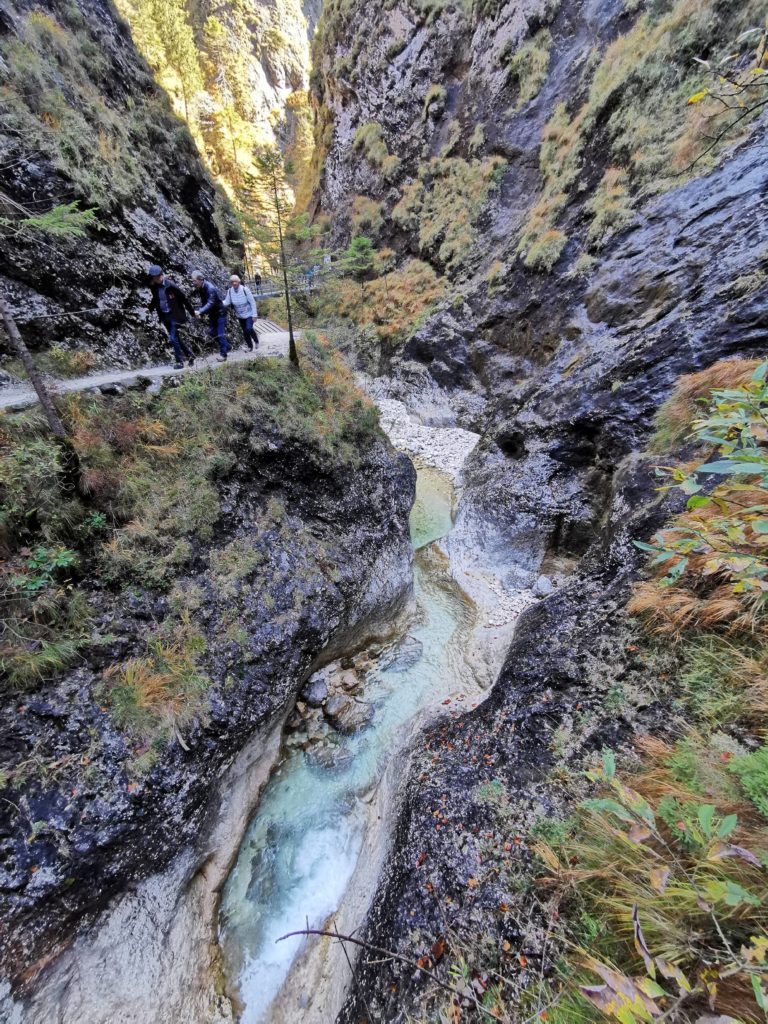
[{"x": 273, "y": 342}]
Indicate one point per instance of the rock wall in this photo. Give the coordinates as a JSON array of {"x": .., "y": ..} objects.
[
  {"x": 561, "y": 359},
  {"x": 557, "y": 485},
  {"x": 85, "y": 122},
  {"x": 325, "y": 573}
]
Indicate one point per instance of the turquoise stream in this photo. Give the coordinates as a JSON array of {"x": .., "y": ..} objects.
[{"x": 301, "y": 848}]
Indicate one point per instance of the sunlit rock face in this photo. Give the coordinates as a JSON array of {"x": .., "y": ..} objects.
[{"x": 85, "y": 122}]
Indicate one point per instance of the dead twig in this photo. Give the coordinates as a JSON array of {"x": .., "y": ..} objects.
[{"x": 392, "y": 955}]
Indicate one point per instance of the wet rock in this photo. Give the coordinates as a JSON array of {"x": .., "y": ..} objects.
[
  {"x": 115, "y": 823},
  {"x": 543, "y": 587},
  {"x": 404, "y": 656},
  {"x": 347, "y": 715},
  {"x": 315, "y": 691},
  {"x": 349, "y": 681},
  {"x": 330, "y": 755}
]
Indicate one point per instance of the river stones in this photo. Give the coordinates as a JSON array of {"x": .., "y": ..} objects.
[
  {"x": 315, "y": 691},
  {"x": 330, "y": 755},
  {"x": 544, "y": 587},
  {"x": 347, "y": 715}
]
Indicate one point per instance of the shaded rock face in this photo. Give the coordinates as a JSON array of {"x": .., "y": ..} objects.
[
  {"x": 563, "y": 376},
  {"x": 328, "y": 574},
  {"x": 157, "y": 203},
  {"x": 540, "y": 482},
  {"x": 557, "y": 481}
]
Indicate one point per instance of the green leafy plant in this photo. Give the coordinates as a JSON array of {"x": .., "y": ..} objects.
[
  {"x": 41, "y": 566},
  {"x": 682, "y": 890},
  {"x": 712, "y": 561}
]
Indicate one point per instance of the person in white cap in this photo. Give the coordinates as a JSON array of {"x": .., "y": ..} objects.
[{"x": 240, "y": 297}]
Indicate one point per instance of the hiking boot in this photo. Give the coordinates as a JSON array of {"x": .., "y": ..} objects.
[
  {"x": 191, "y": 361},
  {"x": 221, "y": 359},
  {"x": 178, "y": 366}
]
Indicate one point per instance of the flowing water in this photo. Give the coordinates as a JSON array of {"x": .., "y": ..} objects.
[{"x": 301, "y": 848}]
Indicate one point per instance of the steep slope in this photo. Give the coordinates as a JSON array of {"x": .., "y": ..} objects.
[
  {"x": 226, "y": 535},
  {"x": 238, "y": 74},
  {"x": 84, "y": 121},
  {"x": 540, "y": 165},
  {"x": 504, "y": 145}
]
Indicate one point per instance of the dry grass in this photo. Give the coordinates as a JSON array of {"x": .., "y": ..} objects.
[
  {"x": 444, "y": 205},
  {"x": 676, "y": 415},
  {"x": 156, "y": 695},
  {"x": 669, "y": 864},
  {"x": 638, "y": 98},
  {"x": 395, "y": 305}
]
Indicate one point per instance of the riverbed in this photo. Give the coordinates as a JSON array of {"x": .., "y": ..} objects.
[{"x": 303, "y": 844}]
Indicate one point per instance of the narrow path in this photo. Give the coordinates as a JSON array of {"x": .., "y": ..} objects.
[{"x": 273, "y": 342}]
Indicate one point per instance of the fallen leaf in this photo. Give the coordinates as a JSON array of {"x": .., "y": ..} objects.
[
  {"x": 673, "y": 973},
  {"x": 472, "y": 883},
  {"x": 438, "y": 948},
  {"x": 721, "y": 850},
  {"x": 660, "y": 877},
  {"x": 639, "y": 833}
]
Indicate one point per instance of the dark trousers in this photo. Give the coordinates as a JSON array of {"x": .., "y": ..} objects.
[
  {"x": 180, "y": 350},
  {"x": 250, "y": 337},
  {"x": 217, "y": 328}
]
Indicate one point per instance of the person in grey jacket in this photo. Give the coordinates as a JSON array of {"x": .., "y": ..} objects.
[
  {"x": 212, "y": 305},
  {"x": 240, "y": 298}
]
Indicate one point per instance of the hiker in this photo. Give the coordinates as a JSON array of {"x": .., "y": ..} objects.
[
  {"x": 171, "y": 305},
  {"x": 257, "y": 282},
  {"x": 241, "y": 299},
  {"x": 217, "y": 315}
]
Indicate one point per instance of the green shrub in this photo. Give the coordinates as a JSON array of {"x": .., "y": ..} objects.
[
  {"x": 752, "y": 772},
  {"x": 529, "y": 66}
]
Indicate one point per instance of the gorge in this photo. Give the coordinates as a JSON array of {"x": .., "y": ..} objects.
[{"x": 451, "y": 640}]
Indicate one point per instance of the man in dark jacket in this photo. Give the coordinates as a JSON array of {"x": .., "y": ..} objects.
[
  {"x": 171, "y": 305},
  {"x": 213, "y": 305}
]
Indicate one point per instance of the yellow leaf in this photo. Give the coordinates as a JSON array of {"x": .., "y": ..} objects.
[{"x": 698, "y": 96}]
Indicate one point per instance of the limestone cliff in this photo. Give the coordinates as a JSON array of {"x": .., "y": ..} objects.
[
  {"x": 84, "y": 121},
  {"x": 537, "y": 167}
]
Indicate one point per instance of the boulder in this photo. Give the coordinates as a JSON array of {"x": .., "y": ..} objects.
[
  {"x": 315, "y": 690},
  {"x": 347, "y": 715},
  {"x": 543, "y": 587}
]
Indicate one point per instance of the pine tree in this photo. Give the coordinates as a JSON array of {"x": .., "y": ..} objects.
[
  {"x": 180, "y": 53},
  {"x": 269, "y": 191}
]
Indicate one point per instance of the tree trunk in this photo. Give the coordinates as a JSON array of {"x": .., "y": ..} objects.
[
  {"x": 292, "y": 353},
  {"x": 35, "y": 379}
]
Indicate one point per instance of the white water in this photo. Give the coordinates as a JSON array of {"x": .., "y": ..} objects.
[{"x": 301, "y": 848}]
